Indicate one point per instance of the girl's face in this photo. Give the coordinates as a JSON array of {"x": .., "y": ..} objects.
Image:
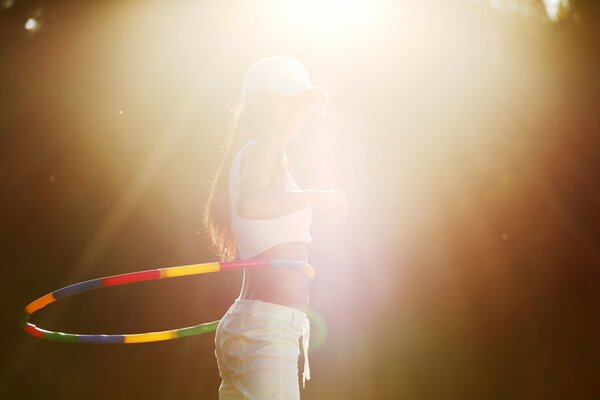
[
  {"x": 272, "y": 114},
  {"x": 290, "y": 113}
]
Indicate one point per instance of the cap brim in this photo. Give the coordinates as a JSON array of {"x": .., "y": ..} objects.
[{"x": 317, "y": 96}]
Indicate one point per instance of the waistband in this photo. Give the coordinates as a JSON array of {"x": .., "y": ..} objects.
[{"x": 261, "y": 308}]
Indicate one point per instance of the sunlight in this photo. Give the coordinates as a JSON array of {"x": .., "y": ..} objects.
[
  {"x": 329, "y": 16},
  {"x": 32, "y": 25},
  {"x": 553, "y": 8}
]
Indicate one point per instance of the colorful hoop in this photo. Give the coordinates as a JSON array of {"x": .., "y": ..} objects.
[{"x": 141, "y": 276}]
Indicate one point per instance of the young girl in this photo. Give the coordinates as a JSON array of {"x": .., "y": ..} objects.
[{"x": 256, "y": 210}]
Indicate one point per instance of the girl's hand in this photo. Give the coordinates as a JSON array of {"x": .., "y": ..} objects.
[{"x": 332, "y": 202}]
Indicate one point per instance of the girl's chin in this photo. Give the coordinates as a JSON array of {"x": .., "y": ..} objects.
[
  {"x": 296, "y": 127},
  {"x": 293, "y": 132}
]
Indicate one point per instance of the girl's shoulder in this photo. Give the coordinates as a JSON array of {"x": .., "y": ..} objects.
[
  {"x": 258, "y": 152},
  {"x": 262, "y": 159}
]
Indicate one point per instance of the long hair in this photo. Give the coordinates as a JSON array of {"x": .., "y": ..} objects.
[{"x": 248, "y": 121}]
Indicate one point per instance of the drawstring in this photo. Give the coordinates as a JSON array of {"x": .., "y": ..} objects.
[{"x": 305, "y": 343}]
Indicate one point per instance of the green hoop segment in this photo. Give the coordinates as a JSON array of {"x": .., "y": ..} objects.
[{"x": 141, "y": 276}]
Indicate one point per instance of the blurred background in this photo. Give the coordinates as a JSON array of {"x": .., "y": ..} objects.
[{"x": 465, "y": 135}]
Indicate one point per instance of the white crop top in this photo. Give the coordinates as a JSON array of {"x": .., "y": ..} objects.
[{"x": 254, "y": 236}]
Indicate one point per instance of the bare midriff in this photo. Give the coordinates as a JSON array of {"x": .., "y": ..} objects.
[{"x": 285, "y": 286}]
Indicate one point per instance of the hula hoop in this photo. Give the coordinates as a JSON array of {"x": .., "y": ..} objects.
[{"x": 141, "y": 276}]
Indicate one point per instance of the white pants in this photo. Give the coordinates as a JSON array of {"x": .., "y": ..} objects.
[{"x": 256, "y": 345}]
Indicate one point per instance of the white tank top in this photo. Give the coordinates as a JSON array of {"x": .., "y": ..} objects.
[{"x": 253, "y": 236}]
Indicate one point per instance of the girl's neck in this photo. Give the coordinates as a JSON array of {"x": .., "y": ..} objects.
[{"x": 279, "y": 142}]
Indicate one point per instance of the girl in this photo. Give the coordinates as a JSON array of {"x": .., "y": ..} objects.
[{"x": 256, "y": 210}]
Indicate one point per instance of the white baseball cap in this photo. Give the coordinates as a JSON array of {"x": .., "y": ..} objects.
[{"x": 284, "y": 76}]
